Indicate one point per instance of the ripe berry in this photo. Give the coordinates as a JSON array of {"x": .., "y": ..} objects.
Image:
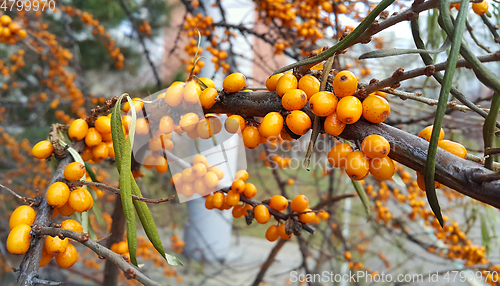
[
  {"x": 307, "y": 217},
  {"x": 199, "y": 159},
  {"x": 241, "y": 174},
  {"x": 18, "y": 241},
  {"x": 234, "y": 124},
  {"x": 376, "y": 109},
  {"x": 375, "y": 146},
  {"x": 191, "y": 92},
  {"x": 426, "y": 133},
  {"x": 189, "y": 121},
  {"x": 78, "y": 129},
  {"x": 234, "y": 82},
  {"x": 382, "y": 168},
  {"x": 299, "y": 204},
  {"x": 216, "y": 170},
  {"x": 54, "y": 245},
  {"x": 209, "y": 202},
  {"x": 338, "y": 154},
  {"x": 5, "y": 20},
  {"x": 294, "y": 99},
  {"x": 71, "y": 224},
  {"x": 142, "y": 126},
  {"x": 161, "y": 165},
  {"x": 218, "y": 200},
  {"x": 199, "y": 170},
  {"x": 279, "y": 203},
  {"x": 272, "y": 233},
  {"x": 238, "y": 186},
  {"x": 323, "y": 103},
  {"x": 232, "y": 198},
  {"x": 208, "y": 82},
  {"x": 138, "y": 105},
  {"x": 345, "y": 84},
  {"x": 309, "y": 84},
  {"x": 93, "y": 137},
  {"x": 357, "y": 166},
  {"x": 67, "y": 258},
  {"x": 103, "y": 124},
  {"x": 261, "y": 214},
  {"x": 271, "y": 125},
  {"x": 65, "y": 210},
  {"x": 282, "y": 232},
  {"x": 100, "y": 152},
  {"x": 421, "y": 182},
  {"x": 155, "y": 144},
  {"x": 333, "y": 125},
  {"x": 480, "y": 8},
  {"x": 349, "y": 109},
  {"x": 298, "y": 122},
  {"x": 208, "y": 97},
  {"x": 166, "y": 124},
  {"x": 199, "y": 186},
  {"x": 80, "y": 200},
  {"x": 188, "y": 176},
  {"x": 174, "y": 94},
  {"x": 272, "y": 81},
  {"x": 250, "y": 190},
  {"x": 42, "y": 149},
  {"x": 45, "y": 259},
  {"x": 187, "y": 189},
  {"x": 22, "y": 215},
  {"x": 211, "y": 180},
  {"x": 285, "y": 83},
  {"x": 251, "y": 137},
  {"x": 454, "y": 148},
  {"x": 57, "y": 194},
  {"x": 74, "y": 171}
]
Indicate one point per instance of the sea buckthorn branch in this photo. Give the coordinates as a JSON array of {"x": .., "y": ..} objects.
[
  {"x": 480, "y": 178},
  {"x": 492, "y": 28},
  {"x": 117, "y": 231},
  {"x": 129, "y": 271},
  {"x": 117, "y": 191},
  {"x": 480, "y": 160},
  {"x": 25, "y": 199},
  {"x": 270, "y": 259},
  {"x": 475, "y": 39}
]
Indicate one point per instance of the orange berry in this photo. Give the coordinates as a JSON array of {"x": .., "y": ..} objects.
[
  {"x": 74, "y": 171},
  {"x": 80, "y": 200},
  {"x": 454, "y": 148},
  {"x": 426, "y": 133},
  {"x": 349, "y": 109},
  {"x": 251, "y": 137},
  {"x": 357, "y": 166},
  {"x": 338, "y": 154},
  {"x": 376, "y": 109},
  {"x": 187, "y": 189},
  {"x": 204, "y": 130},
  {"x": 298, "y": 122},
  {"x": 45, "y": 259},
  {"x": 155, "y": 144},
  {"x": 142, "y": 126},
  {"x": 208, "y": 82},
  {"x": 199, "y": 169},
  {"x": 191, "y": 92},
  {"x": 42, "y": 149},
  {"x": 18, "y": 241},
  {"x": 271, "y": 125},
  {"x": 299, "y": 204},
  {"x": 161, "y": 165},
  {"x": 421, "y": 182},
  {"x": 218, "y": 200},
  {"x": 71, "y": 224},
  {"x": 347, "y": 255},
  {"x": 174, "y": 94},
  {"x": 216, "y": 170},
  {"x": 232, "y": 198},
  {"x": 211, "y": 180},
  {"x": 261, "y": 214},
  {"x": 307, "y": 217},
  {"x": 199, "y": 159},
  {"x": 149, "y": 162},
  {"x": 5, "y": 20},
  {"x": 272, "y": 81},
  {"x": 250, "y": 190},
  {"x": 166, "y": 124},
  {"x": 22, "y": 215},
  {"x": 65, "y": 210},
  {"x": 279, "y": 203},
  {"x": 208, "y": 97},
  {"x": 294, "y": 99},
  {"x": 241, "y": 174},
  {"x": 345, "y": 84},
  {"x": 93, "y": 137},
  {"x": 272, "y": 233},
  {"x": 479, "y": 8},
  {"x": 234, "y": 82},
  {"x": 189, "y": 121},
  {"x": 209, "y": 202},
  {"x": 78, "y": 129},
  {"x": 199, "y": 186},
  {"x": 282, "y": 232},
  {"x": 235, "y": 124},
  {"x": 382, "y": 168},
  {"x": 54, "y": 245},
  {"x": 375, "y": 146},
  {"x": 138, "y": 105},
  {"x": 285, "y": 83},
  {"x": 333, "y": 125},
  {"x": 323, "y": 103},
  {"x": 103, "y": 124},
  {"x": 309, "y": 84},
  {"x": 238, "y": 186},
  {"x": 57, "y": 194},
  {"x": 100, "y": 152},
  {"x": 67, "y": 258}
]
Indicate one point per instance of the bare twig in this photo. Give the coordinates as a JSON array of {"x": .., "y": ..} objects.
[
  {"x": 480, "y": 178},
  {"x": 269, "y": 261}
]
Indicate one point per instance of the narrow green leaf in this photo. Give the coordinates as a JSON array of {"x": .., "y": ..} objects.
[
  {"x": 127, "y": 201},
  {"x": 485, "y": 234},
  {"x": 397, "y": 179},
  {"x": 117, "y": 131},
  {"x": 397, "y": 52},
  {"x": 362, "y": 195},
  {"x": 91, "y": 172},
  {"x": 345, "y": 42},
  {"x": 430, "y": 165},
  {"x": 172, "y": 260}
]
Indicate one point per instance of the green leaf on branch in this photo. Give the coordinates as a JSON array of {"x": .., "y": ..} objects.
[
  {"x": 362, "y": 196},
  {"x": 397, "y": 52},
  {"x": 172, "y": 260}
]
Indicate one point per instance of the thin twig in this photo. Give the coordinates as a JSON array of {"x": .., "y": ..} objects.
[
  {"x": 486, "y": 177},
  {"x": 12, "y": 192}
]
